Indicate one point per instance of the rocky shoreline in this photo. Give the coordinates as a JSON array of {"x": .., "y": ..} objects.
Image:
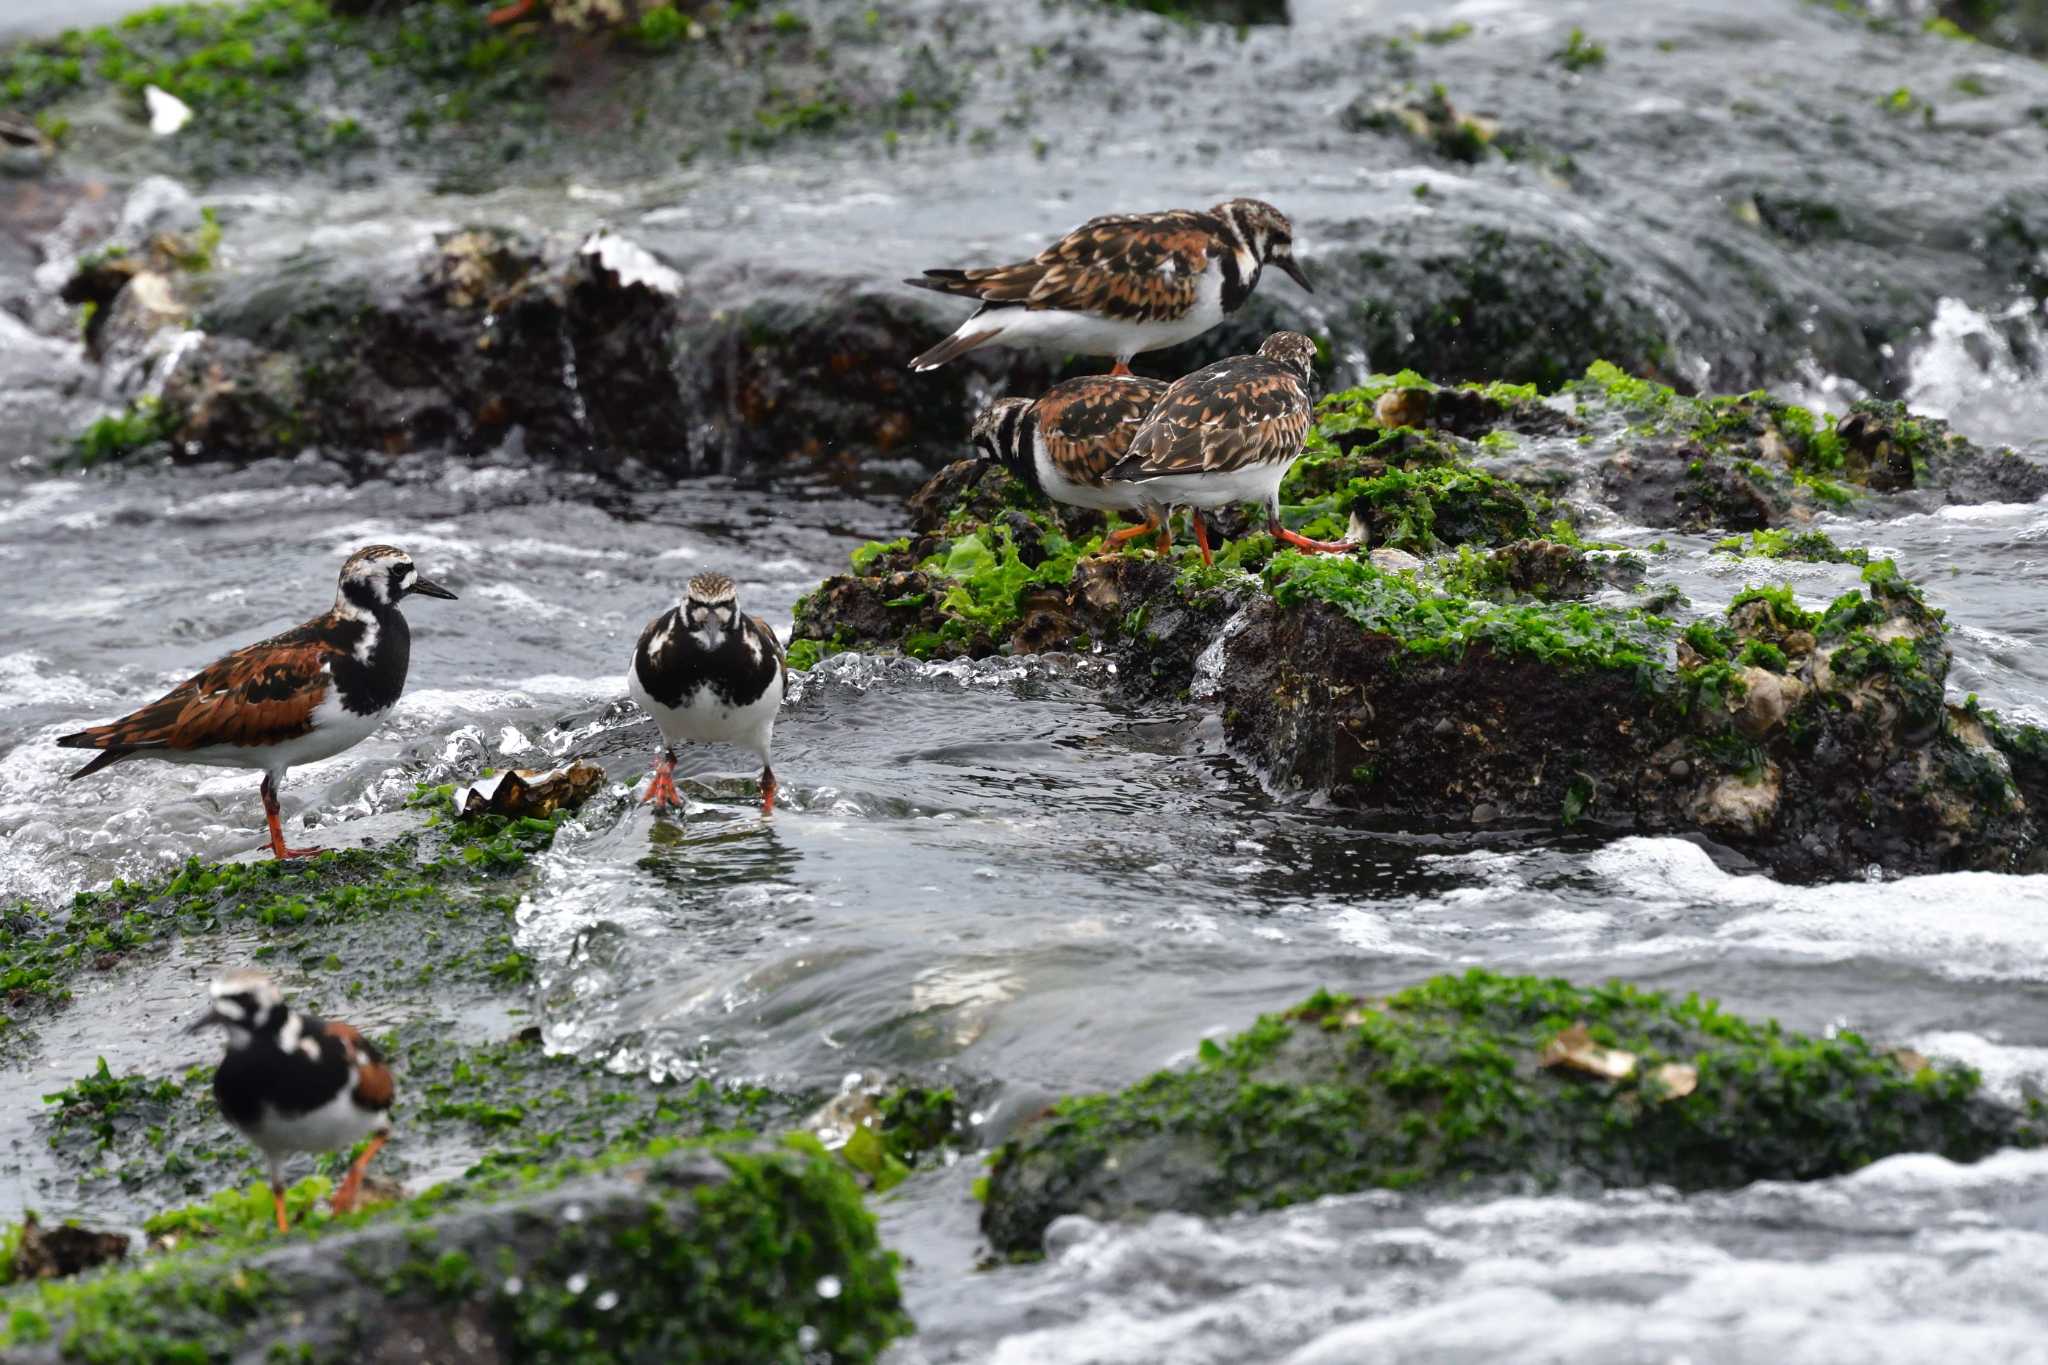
[
  {"x": 1486, "y": 664},
  {"x": 388, "y": 229}
]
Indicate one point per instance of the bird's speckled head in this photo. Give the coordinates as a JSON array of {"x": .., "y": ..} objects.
[
  {"x": 1293, "y": 350},
  {"x": 998, "y": 434},
  {"x": 710, "y": 605},
  {"x": 1266, "y": 233}
]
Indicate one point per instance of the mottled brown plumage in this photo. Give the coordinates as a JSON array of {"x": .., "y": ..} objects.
[
  {"x": 1121, "y": 284},
  {"x": 1087, "y": 425},
  {"x": 1246, "y": 410},
  {"x": 1228, "y": 434},
  {"x": 1130, "y": 266}
]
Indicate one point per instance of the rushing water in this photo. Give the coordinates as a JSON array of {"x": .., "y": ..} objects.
[
  {"x": 988, "y": 871},
  {"x": 994, "y": 873}
]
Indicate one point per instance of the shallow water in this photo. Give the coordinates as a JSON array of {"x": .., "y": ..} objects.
[{"x": 994, "y": 874}]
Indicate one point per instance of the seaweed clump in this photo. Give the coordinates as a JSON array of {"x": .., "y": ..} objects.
[{"x": 1475, "y": 1078}]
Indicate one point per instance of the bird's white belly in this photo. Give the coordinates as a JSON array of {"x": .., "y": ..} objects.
[
  {"x": 335, "y": 729},
  {"x": 335, "y": 1126},
  {"x": 1110, "y": 497},
  {"x": 1058, "y": 329},
  {"x": 703, "y": 718},
  {"x": 1254, "y": 483}
]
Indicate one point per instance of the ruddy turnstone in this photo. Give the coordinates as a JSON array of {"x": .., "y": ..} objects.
[
  {"x": 708, "y": 672},
  {"x": 295, "y": 698},
  {"x": 1122, "y": 284},
  {"x": 1062, "y": 444},
  {"x": 293, "y": 1083},
  {"x": 1228, "y": 433}
]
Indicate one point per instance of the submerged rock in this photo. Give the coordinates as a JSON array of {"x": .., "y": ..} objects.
[
  {"x": 1483, "y": 1078},
  {"x": 739, "y": 1253}
]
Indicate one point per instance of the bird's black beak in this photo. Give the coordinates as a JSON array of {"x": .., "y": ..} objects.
[
  {"x": 423, "y": 588},
  {"x": 204, "y": 1021},
  {"x": 1295, "y": 272}
]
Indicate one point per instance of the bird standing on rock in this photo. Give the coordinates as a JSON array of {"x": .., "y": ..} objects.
[
  {"x": 708, "y": 672},
  {"x": 1122, "y": 284},
  {"x": 295, "y": 698},
  {"x": 1062, "y": 444},
  {"x": 292, "y": 1083},
  {"x": 1229, "y": 433}
]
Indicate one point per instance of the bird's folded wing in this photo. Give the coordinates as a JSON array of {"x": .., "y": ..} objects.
[
  {"x": 1086, "y": 426},
  {"x": 259, "y": 695},
  {"x": 1133, "y": 267},
  {"x": 1223, "y": 419}
]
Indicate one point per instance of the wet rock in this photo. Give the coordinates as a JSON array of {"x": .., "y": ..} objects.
[
  {"x": 1389, "y": 560},
  {"x": 230, "y": 400},
  {"x": 727, "y": 1253},
  {"x": 1470, "y": 413},
  {"x": 524, "y": 792},
  {"x": 852, "y": 611},
  {"x": 26, "y": 151},
  {"x": 42, "y": 1253},
  {"x": 1545, "y": 568},
  {"x": 1483, "y": 684},
  {"x": 1445, "y": 1084},
  {"x": 1684, "y": 486}
]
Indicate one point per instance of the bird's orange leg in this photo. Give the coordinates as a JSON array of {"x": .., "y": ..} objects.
[
  {"x": 1121, "y": 367},
  {"x": 1201, "y": 536},
  {"x": 271, "y": 813},
  {"x": 352, "y": 1184},
  {"x": 1164, "y": 545},
  {"x": 1116, "y": 538},
  {"x": 277, "y": 1201},
  {"x": 1314, "y": 547},
  {"x": 509, "y": 14},
  {"x": 768, "y": 790},
  {"x": 662, "y": 789}
]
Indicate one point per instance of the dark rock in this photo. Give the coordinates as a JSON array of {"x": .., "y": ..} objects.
[
  {"x": 982, "y": 491},
  {"x": 728, "y": 1254},
  {"x": 1682, "y": 485},
  {"x": 1487, "y": 1079},
  {"x": 51, "y": 1253},
  {"x": 1547, "y": 569},
  {"x": 853, "y": 610}
]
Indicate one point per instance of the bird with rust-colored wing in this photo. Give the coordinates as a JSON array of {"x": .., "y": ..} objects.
[
  {"x": 1063, "y": 444},
  {"x": 1229, "y": 433},
  {"x": 1121, "y": 285},
  {"x": 295, "y": 698},
  {"x": 292, "y": 1083}
]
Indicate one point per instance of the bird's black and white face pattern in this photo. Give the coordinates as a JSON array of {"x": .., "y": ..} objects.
[
  {"x": 1293, "y": 350},
  {"x": 245, "y": 1004},
  {"x": 711, "y": 608},
  {"x": 1001, "y": 436},
  {"x": 379, "y": 576},
  {"x": 1265, "y": 234}
]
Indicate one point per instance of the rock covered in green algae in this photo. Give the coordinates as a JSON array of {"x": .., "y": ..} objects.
[
  {"x": 1444, "y": 1084},
  {"x": 1817, "y": 742},
  {"x": 735, "y": 1252},
  {"x": 1478, "y": 685}
]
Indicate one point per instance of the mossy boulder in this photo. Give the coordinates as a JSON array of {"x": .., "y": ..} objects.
[
  {"x": 1486, "y": 663},
  {"x": 1486, "y": 1080},
  {"x": 727, "y": 1252},
  {"x": 1818, "y": 743}
]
